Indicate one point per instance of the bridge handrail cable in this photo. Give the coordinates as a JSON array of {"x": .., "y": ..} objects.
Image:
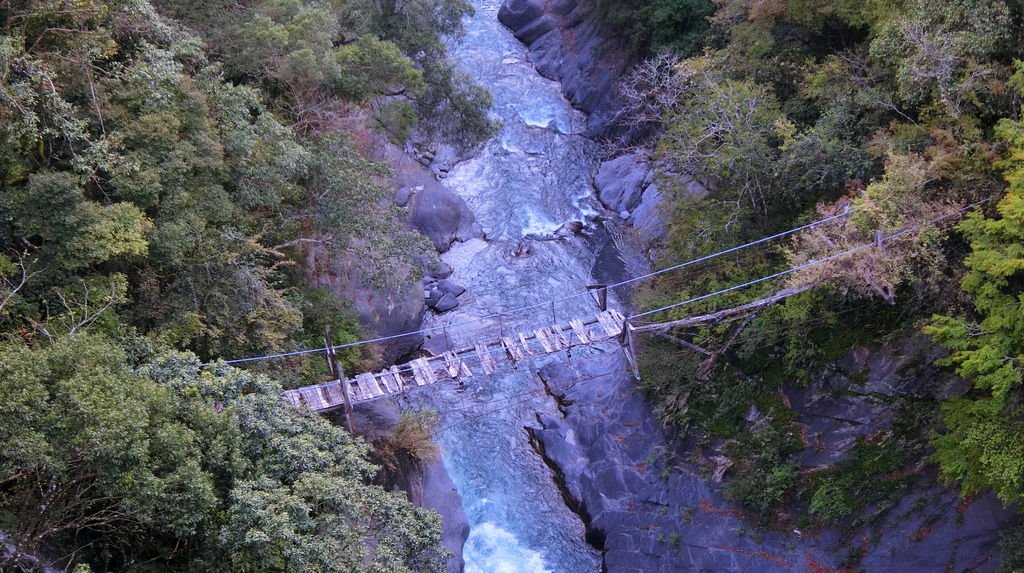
[
  {"x": 809, "y": 264},
  {"x": 546, "y": 302}
]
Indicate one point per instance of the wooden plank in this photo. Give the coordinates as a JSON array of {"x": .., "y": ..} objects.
[
  {"x": 387, "y": 382},
  {"x": 451, "y": 365},
  {"x": 321, "y": 390},
  {"x": 629, "y": 349},
  {"x": 423, "y": 372},
  {"x": 525, "y": 346},
  {"x": 375, "y": 386},
  {"x": 396, "y": 376},
  {"x": 362, "y": 392},
  {"x": 581, "y": 332},
  {"x": 611, "y": 325},
  {"x": 311, "y": 397},
  {"x": 384, "y": 380},
  {"x": 484, "y": 356},
  {"x": 294, "y": 397},
  {"x": 333, "y": 389},
  {"x": 511, "y": 350},
  {"x": 561, "y": 340},
  {"x": 544, "y": 336},
  {"x": 417, "y": 372},
  {"x": 368, "y": 386},
  {"x": 353, "y": 390},
  {"x": 430, "y": 373},
  {"x": 456, "y": 364},
  {"x": 613, "y": 320}
]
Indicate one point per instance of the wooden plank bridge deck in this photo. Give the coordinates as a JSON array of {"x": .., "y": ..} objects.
[{"x": 481, "y": 358}]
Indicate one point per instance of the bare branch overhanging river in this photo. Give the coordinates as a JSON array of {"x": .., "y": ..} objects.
[{"x": 533, "y": 177}]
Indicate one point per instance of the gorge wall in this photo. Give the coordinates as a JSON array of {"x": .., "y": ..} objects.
[
  {"x": 570, "y": 43},
  {"x": 649, "y": 502}
]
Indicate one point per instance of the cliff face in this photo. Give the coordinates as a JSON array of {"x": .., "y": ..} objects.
[
  {"x": 426, "y": 482},
  {"x": 571, "y": 44},
  {"x": 649, "y": 508}
]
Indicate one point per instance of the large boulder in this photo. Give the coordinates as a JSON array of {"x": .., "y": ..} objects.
[
  {"x": 649, "y": 218},
  {"x": 435, "y": 210},
  {"x": 447, "y": 302},
  {"x": 383, "y": 309},
  {"x": 620, "y": 182},
  {"x": 518, "y": 14},
  {"x": 451, "y": 287},
  {"x": 442, "y": 216}
]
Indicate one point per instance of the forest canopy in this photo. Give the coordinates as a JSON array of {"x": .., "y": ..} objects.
[
  {"x": 163, "y": 168},
  {"x": 898, "y": 113}
]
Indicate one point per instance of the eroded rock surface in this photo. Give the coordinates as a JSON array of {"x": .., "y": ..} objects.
[
  {"x": 650, "y": 515},
  {"x": 570, "y": 43},
  {"x": 383, "y": 309},
  {"x": 620, "y": 182},
  {"x": 435, "y": 210}
]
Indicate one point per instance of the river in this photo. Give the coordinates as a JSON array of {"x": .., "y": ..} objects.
[{"x": 530, "y": 179}]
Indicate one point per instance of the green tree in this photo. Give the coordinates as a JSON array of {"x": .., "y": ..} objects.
[
  {"x": 92, "y": 453},
  {"x": 118, "y": 455},
  {"x": 982, "y": 445},
  {"x": 831, "y": 501},
  {"x": 941, "y": 52},
  {"x": 676, "y": 25}
]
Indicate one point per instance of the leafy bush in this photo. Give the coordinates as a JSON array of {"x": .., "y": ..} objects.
[
  {"x": 168, "y": 463},
  {"x": 764, "y": 472},
  {"x": 1011, "y": 545},
  {"x": 831, "y": 501},
  {"x": 409, "y": 441}
]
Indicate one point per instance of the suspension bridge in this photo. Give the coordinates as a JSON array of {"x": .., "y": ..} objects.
[
  {"x": 490, "y": 353},
  {"x": 483, "y": 358}
]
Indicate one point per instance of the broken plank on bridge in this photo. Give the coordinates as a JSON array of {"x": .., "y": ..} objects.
[
  {"x": 561, "y": 340},
  {"x": 312, "y": 398},
  {"x": 511, "y": 350},
  {"x": 332, "y": 392},
  {"x": 368, "y": 386},
  {"x": 484, "y": 355},
  {"x": 526, "y": 347},
  {"x": 546, "y": 339},
  {"x": 387, "y": 383},
  {"x": 611, "y": 322},
  {"x": 456, "y": 367},
  {"x": 397, "y": 379}
]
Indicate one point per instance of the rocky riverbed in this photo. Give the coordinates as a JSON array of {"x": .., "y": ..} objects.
[{"x": 561, "y": 466}]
